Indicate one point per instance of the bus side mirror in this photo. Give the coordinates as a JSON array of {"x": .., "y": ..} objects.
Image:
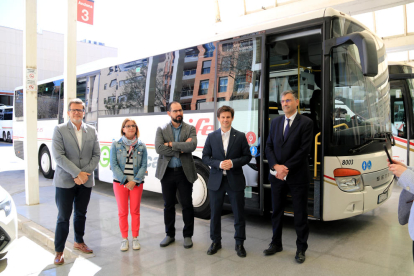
[{"x": 366, "y": 48}]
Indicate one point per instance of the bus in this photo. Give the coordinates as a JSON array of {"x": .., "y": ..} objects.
[
  {"x": 402, "y": 94},
  {"x": 6, "y": 123},
  {"x": 336, "y": 65}
]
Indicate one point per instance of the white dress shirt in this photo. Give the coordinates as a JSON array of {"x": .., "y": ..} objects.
[
  {"x": 290, "y": 122},
  {"x": 225, "y": 137},
  {"x": 78, "y": 134}
]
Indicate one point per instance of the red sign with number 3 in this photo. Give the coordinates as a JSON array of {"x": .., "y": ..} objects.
[{"x": 85, "y": 11}]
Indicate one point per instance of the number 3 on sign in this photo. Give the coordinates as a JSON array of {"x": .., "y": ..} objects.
[{"x": 85, "y": 16}]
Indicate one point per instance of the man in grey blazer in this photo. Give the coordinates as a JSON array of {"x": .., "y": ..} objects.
[
  {"x": 175, "y": 142},
  {"x": 75, "y": 148}
]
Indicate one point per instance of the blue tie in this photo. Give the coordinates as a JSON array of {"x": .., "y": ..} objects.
[{"x": 286, "y": 129}]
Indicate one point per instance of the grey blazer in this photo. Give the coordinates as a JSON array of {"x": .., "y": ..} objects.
[
  {"x": 165, "y": 134},
  {"x": 70, "y": 161}
]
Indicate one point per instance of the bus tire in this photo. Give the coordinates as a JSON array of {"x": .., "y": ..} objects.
[
  {"x": 45, "y": 163},
  {"x": 4, "y": 136},
  {"x": 9, "y": 139},
  {"x": 201, "y": 199}
]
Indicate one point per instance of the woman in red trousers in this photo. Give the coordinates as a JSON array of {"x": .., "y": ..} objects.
[{"x": 128, "y": 160}]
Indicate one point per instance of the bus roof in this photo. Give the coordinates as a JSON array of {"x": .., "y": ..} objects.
[{"x": 254, "y": 24}]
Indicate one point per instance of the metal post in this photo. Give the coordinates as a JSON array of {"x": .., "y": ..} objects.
[
  {"x": 30, "y": 103},
  {"x": 70, "y": 58}
]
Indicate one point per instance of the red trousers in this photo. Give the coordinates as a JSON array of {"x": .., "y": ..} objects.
[{"x": 122, "y": 194}]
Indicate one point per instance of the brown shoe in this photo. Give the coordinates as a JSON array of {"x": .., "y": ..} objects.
[
  {"x": 82, "y": 247},
  {"x": 59, "y": 258}
]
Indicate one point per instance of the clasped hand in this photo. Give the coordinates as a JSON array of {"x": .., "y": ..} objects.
[
  {"x": 397, "y": 168},
  {"x": 226, "y": 164},
  {"x": 82, "y": 178},
  {"x": 130, "y": 185},
  {"x": 282, "y": 171}
]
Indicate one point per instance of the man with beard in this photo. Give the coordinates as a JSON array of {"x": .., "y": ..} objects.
[{"x": 175, "y": 142}]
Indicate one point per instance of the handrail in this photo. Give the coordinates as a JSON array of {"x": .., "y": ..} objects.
[
  {"x": 272, "y": 107},
  {"x": 316, "y": 155},
  {"x": 281, "y": 64},
  {"x": 343, "y": 124}
]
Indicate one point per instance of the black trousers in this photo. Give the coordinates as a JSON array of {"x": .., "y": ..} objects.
[
  {"x": 299, "y": 194},
  {"x": 170, "y": 183},
  {"x": 76, "y": 198},
  {"x": 237, "y": 206}
]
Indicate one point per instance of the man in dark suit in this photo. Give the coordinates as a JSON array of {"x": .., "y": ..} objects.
[
  {"x": 226, "y": 151},
  {"x": 287, "y": 150}
]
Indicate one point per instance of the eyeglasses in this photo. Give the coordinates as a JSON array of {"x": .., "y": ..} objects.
[
  {"x": 133, "y": 126},
  {"x": 77, "y": 110},
  {"x": 286, "y": 101}
]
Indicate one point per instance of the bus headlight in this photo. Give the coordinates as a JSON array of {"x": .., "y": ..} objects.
[
  {"x": 6, "y": 205},
  {"x": 349, "y": 180}
]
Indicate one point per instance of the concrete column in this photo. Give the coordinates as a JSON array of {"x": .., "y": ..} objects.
[
  {"x": 30, "y": 103},
  {"x": 70, "y": 58}
]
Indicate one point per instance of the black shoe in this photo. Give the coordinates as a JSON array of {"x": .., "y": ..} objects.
[
  {"x": 214, "y": 247},
  {"x": 273, "y": 248},
  {"x": 300, "y": 256},
  {"x": 241, "y": 252}
]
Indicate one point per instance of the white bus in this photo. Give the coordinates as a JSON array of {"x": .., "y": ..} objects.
[
  {"x": 6, "y": 123},
  {"x": 402, "y": 118},
  {"x": 327, "y": 57}
]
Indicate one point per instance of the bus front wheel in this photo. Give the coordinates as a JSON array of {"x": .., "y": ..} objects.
[
  {"x": 4, "y": 136},
  {"x": 45, "y": 163},
  {"x": 201, "y": 200},
  {"x": 9, "y": 139}
]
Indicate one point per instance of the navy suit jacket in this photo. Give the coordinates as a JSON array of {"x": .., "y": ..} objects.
[
  {"x": 292, "y": 151},
  {"x": 237, "y": 151}
]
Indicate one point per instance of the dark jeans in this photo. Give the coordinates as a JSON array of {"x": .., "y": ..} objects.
[
  {"x": 299, "y": 194},
  {"x": 237, "y": 205},
  {"x": 170, "y": 183},
  {"x": 78, "y": 197}
]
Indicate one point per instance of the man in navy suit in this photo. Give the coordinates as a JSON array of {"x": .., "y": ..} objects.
[
  {"x": 226, "y": 151},
  {"x": 287, "y": 149}
]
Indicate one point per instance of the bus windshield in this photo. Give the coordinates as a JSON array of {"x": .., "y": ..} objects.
[{"x": 360, "y": 106}]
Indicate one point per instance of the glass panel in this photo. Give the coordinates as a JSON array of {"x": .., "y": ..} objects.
[
  {"x": 18, "y": 104},
  {"x": 367, "y": 19},
  {"x": 398, "y": 56},
  {"x": 237, "y": 74},
  {"x": 360, "y": 105},
  {"x": 390, "y": 21},
  {"x": 91, "y": 99},
  {"x": 410, "y": 17},
  {"x": 295, "y": 64},
  {"x": 129, "y": 86},
  {"x": 48, "y": 100},
  {"x": 341, "y": 27},
  {"x": 398, "y": 119}
]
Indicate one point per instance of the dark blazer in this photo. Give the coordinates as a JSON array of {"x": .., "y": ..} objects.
[
  {"x": 237, "y": 151},
  {"x": 292, "y": 152}
]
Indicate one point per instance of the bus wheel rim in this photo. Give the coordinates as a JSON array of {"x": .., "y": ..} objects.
[
  {"x": 199, "y": 191},
  {"x": 45, "y": 162}
]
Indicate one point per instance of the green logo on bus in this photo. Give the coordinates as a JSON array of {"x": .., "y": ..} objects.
[{"x": 104, "y": 156}]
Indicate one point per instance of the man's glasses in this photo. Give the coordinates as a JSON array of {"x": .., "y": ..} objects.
[
  {"x": 77, "y": 110},
  {"x": 133, "y": 126},
  {"x": 286, "y": 101}
]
